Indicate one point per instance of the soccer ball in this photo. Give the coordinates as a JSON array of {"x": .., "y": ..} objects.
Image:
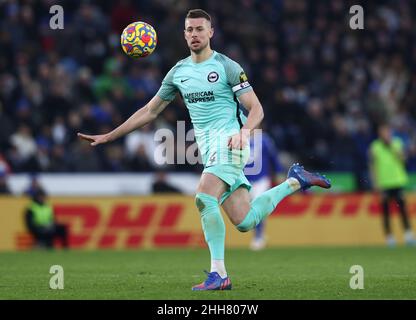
[{"x": 138, "y": 39}]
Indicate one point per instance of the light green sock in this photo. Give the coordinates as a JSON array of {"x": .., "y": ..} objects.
[
  {"x": 212, "y": 224},
  {"x": 265, "y": 203}
]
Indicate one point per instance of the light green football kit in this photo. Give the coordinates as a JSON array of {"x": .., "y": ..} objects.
[{"x": 210, "y": 90}]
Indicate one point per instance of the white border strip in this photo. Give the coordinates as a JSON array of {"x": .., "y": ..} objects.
[{"x": 241, "y": 86}]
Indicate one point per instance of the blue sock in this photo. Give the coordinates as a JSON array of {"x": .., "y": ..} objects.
[{"x": 258, "y": 231}]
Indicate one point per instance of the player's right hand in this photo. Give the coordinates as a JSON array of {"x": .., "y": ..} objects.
[{"x": 94, "y": 139}]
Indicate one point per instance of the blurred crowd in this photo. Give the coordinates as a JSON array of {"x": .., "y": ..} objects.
[{"x": 324, "y": 87}]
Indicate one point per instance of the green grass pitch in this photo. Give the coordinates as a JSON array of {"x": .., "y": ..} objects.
[{"x": 279, "y": 273}]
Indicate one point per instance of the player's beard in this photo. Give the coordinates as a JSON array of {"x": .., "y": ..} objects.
[{"x": 199, "y": 50}]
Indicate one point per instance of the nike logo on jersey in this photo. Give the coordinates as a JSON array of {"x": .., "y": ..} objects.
[{"x": 183, "y": 80}]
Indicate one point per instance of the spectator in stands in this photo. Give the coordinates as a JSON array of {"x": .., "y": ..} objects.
[
  {"x": 40, "y": 222},
  {"x": 79, "y": 78},
  {"x": 34, "y": 186},
  {"x": 25, "y": 146},
  {"x": 389, "y": 176},
  {"x": 4, "y": 188},
  {"x": 4, "y": 171}
]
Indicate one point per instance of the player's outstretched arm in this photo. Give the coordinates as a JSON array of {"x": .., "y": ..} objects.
[{"x": 137, "y": 120}]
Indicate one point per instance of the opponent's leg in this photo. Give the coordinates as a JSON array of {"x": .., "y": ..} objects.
[
  {"x": 259, "y": 240},
  {"x": 258, "y": 187}
]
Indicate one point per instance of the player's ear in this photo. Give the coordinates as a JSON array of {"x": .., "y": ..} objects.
[
  {"x": 184, "y": 29},
  {"x": 211, "y": 32}
]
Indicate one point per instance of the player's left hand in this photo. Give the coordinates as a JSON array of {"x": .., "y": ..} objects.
[{"x": 239, "y": 140}]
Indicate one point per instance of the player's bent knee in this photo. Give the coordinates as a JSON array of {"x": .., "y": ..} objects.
[
  {"x": 243, "y": 229},
  {"x": 204, "y": 201},
  {"x": 245, "y": 226}
]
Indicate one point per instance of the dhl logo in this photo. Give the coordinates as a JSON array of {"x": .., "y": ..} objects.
[
  {"x": 127, "y": 226},
  {"x": 174, "y": 222},
  {"x": 346, "y": 205}
]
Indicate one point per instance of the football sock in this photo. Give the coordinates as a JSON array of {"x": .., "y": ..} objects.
[
  {"x": 218, "y": 266},
  {"x": 214, "y": 230},
  {"x": 265, "y": 203},
  {"x": 259, "y": 230}
]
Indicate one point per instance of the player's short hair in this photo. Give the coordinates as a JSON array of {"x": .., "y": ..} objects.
[{"x": 198, "y": 13}]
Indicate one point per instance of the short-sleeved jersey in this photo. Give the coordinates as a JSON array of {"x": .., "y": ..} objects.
[{"x": 210, "y": 90}]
